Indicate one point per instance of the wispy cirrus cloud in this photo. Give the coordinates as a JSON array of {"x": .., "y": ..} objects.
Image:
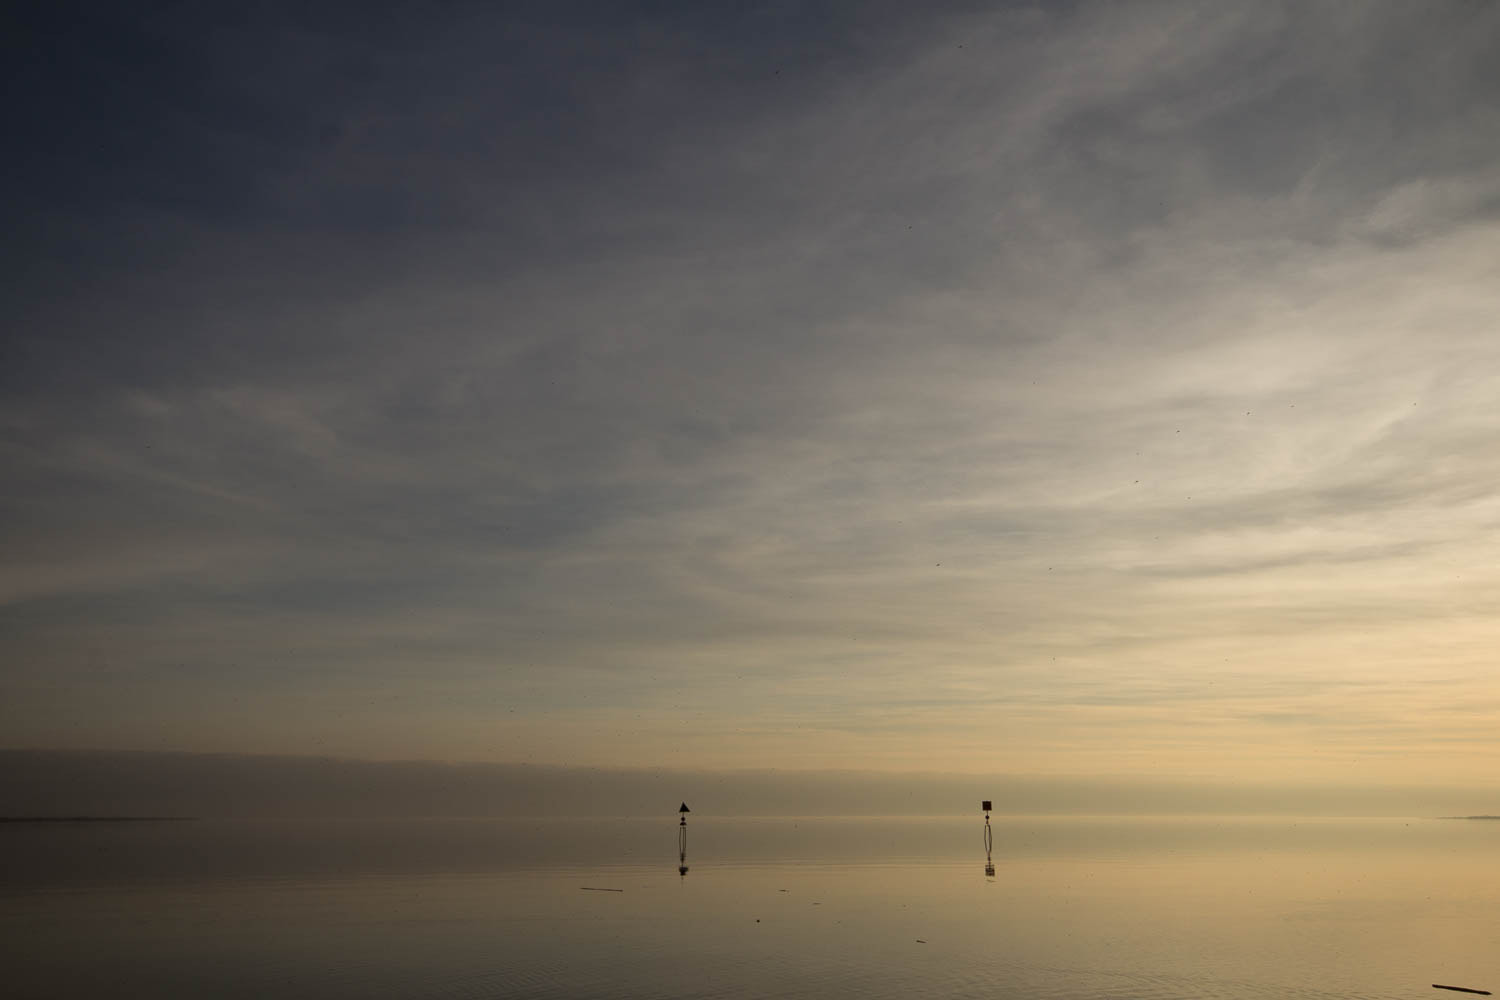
[{"x": 564, "y": 387}]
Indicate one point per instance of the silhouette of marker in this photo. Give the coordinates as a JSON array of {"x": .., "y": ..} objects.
[
  {"x": 989, "y": 841},
  {"x": 682, "y": 867}
]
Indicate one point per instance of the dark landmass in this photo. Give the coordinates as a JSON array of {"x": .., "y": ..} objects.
[
  {"x": 96, "y": 819},
  {"x": 77, "y": 785},
  {"x": 1470, "y": 817}
]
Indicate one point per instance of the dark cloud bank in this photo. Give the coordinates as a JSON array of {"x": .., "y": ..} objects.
[{"x": 98, "y": 783}]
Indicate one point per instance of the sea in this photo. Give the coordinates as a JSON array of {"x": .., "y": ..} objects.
[{"x": 1062, "y": 908}]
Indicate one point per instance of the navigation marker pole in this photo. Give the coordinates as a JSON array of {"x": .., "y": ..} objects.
[
  {"x": 989, "y": 841},
  {"x": 682, "y": 866}
]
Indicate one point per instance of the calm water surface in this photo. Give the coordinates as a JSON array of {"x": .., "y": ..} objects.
[{"x": 870, "y": 908}]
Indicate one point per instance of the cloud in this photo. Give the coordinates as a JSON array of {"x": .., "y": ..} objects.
[
  {"x": 1419, "y": 207},
  {"x": 767, "y": 373}
]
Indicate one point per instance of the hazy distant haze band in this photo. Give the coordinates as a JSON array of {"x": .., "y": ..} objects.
[{"x": 216, "y": 786}]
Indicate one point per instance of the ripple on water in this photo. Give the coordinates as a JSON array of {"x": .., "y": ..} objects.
[{"x": 731, "y": 978}]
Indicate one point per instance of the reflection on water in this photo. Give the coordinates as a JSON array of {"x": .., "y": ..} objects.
[
  {"x": 815, "y": 908},
  {"x": 989, "y": 842}
]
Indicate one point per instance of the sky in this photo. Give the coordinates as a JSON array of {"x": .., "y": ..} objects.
[{"x": 1079, "y": 389}]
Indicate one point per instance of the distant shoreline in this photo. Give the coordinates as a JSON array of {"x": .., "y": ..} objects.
[
  {"x": 96, "y": 819},
  {"x": 1469, "y": 817}
]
